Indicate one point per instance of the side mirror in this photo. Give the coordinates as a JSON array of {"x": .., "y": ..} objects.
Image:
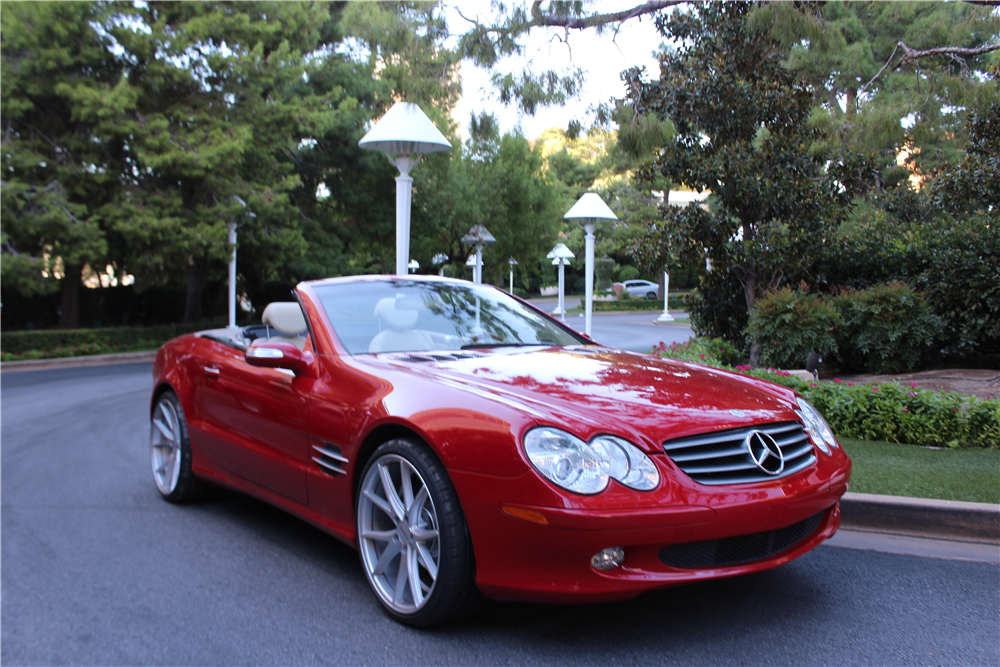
[{"x": 280, "y": 355}]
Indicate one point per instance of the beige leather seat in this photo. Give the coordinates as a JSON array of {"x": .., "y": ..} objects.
[
  {"x": 399, "y": 337},
  {"x": 287, "y": 319}
]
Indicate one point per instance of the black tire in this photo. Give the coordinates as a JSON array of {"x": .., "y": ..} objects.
[
  {"x": 170, "y": 451},
  {"x": 431, "y": 530},
  {"x": 650, "y": 295}
]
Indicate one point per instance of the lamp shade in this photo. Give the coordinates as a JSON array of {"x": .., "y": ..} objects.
[
  {"x": 478, "y": 235},
  {"x": 404, "y": 130},
  {"x": 590, "y": 206},
  {"x": 560, "y": 252}
]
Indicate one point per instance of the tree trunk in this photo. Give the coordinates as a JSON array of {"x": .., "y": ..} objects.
[
  {"x": 852, "y": 102},
  {"x": 750, "y": 293},
  {"x": 192, "y": 305},
  {"x": 69, "y": 305}
]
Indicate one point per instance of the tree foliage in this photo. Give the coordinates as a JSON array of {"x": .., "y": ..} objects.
[
  {"x": 742, "y": 132},
  {"x": 890, "y": 76}
]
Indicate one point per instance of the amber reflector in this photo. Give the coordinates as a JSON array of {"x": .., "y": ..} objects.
[{"x": 526, "y": 514}]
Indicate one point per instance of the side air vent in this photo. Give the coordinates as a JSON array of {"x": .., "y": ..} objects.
[
  {"x": 442, "y": 357},
  {"x": 331, "y": 460},
  {"x": 727, "y": 457}
]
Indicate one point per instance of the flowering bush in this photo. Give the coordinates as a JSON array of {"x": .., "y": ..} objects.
[
  {"x": 709, "y": 351},
  {"x": 887, "y": 411}
]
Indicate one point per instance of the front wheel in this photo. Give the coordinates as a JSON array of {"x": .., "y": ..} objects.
[{"x": 412, "y": 536}]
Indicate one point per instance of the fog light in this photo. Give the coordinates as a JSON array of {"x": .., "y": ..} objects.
[{"x": 608, "y": 559}]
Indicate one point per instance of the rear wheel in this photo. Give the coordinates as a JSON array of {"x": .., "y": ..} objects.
[
  {"x": 170, "y": 451},
  {"x": 412, "y": 536}
]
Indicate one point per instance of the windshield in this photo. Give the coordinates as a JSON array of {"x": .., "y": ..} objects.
[{"x": 409, "y": 316}]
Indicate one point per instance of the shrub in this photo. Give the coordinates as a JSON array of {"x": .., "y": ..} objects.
[
  {"x": 42, "y": 342},
  {"x": 953, "y": 261},
  {"x": 962, "y": 263},
  {"x": 717, "y": 307},
  {"x": 604, "y": 269},
  {"x": 627, "y": 273},
  {"x": 790, "y": 324},
  {"x": 884, "y": 329}
]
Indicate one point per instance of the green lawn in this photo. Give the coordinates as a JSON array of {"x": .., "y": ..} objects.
[{"x": 919, "y": 472}]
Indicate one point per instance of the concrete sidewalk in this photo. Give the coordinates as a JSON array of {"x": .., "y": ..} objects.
[{"x": 894, "y": 515}]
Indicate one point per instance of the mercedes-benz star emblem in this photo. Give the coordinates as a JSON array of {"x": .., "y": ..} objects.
[{"x": 765, "y": 452}]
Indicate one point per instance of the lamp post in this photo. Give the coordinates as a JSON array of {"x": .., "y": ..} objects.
[
  {"x": 413, "y": 266},
  {"x": 231, "y": 237},
  {"x": 232, "y": 275},
  {"x": 513, "y": 263},
  {"x": 404, "y": 134},
  {"x": 666, "y": 316},
  {"x": 439, "y": 260},
  {"x": 478, "y": 236},
  {"x": 589, "y": 209},
  {"x": 560, "y": 256}
]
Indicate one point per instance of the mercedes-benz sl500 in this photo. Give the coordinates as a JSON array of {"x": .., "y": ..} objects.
[{"x": 468, "y": 445}]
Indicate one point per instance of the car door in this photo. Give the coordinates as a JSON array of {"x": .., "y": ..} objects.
[{"x": 258, "y": 417}]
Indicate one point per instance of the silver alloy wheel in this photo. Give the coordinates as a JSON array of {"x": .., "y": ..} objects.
[
  {"x": 165, "y": 446},
  {"x": 398, "y": 534}
]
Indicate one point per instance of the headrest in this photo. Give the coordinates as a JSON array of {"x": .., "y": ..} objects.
[
  {"x": 395, "y": 319},
  {"x": 286, "y": 317}
]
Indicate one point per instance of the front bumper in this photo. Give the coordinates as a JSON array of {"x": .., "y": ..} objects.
[{"x": 540, "y": 551}]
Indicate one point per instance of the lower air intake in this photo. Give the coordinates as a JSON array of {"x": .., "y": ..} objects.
[{"x": 741, "y": 549}]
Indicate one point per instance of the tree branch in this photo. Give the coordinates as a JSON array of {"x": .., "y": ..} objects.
[
  {"x": 577, "y": 23},
  {"x": 910, "y": 56}
]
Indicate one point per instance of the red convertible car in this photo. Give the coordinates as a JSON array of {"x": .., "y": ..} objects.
[{"x": 468, "y": 444}]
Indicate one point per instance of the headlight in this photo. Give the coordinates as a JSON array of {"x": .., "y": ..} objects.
[
  {"x": 580, "y": 467},
  {"x": 816, "y": 426}
]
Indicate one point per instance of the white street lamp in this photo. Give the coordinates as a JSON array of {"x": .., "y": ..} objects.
[
  {"x": 513, "y": 263},
  {"x": 666, "y": 316},
  {"x": 560, "y": 256},
  {"x": 589, "y": 209},
  {"x": 231, "y": 226},
  {"x": 404, "y": 134},
  {"x": 232, "y": 275},
  {"x": 413, "y": 266},
  {"x": 439, "y": 260},
  {"x": 478, "y": 236}
]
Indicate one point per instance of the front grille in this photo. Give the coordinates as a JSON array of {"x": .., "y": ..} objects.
[
  {"x": 723, "y": 458},
  {"x": 739, "y": 550}
]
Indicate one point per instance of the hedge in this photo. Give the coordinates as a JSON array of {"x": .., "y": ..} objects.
[{"x": 21, "y": 342}]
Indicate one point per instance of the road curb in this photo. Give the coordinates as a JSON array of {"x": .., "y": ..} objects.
[
  {"x": 74, "y": 362},
  {"x": 920, "y": 517}
]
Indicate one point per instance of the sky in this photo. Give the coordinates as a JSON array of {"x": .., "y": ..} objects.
[{"x": 601, "y": 57}]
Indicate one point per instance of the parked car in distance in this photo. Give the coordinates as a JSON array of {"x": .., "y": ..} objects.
[
  {"x": 469, "y": 445},
  {"x": 641, "y": 288}
]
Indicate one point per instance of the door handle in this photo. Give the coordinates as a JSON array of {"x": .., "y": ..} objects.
[{"x": 211, "y": 372}]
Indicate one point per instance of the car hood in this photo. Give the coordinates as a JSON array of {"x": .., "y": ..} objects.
[{"x": 595, "y": 389}]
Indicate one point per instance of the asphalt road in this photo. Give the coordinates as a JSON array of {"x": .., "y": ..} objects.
[
  {"x": 96, "y": 569},
  {"x": 626, "y": 331}
]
